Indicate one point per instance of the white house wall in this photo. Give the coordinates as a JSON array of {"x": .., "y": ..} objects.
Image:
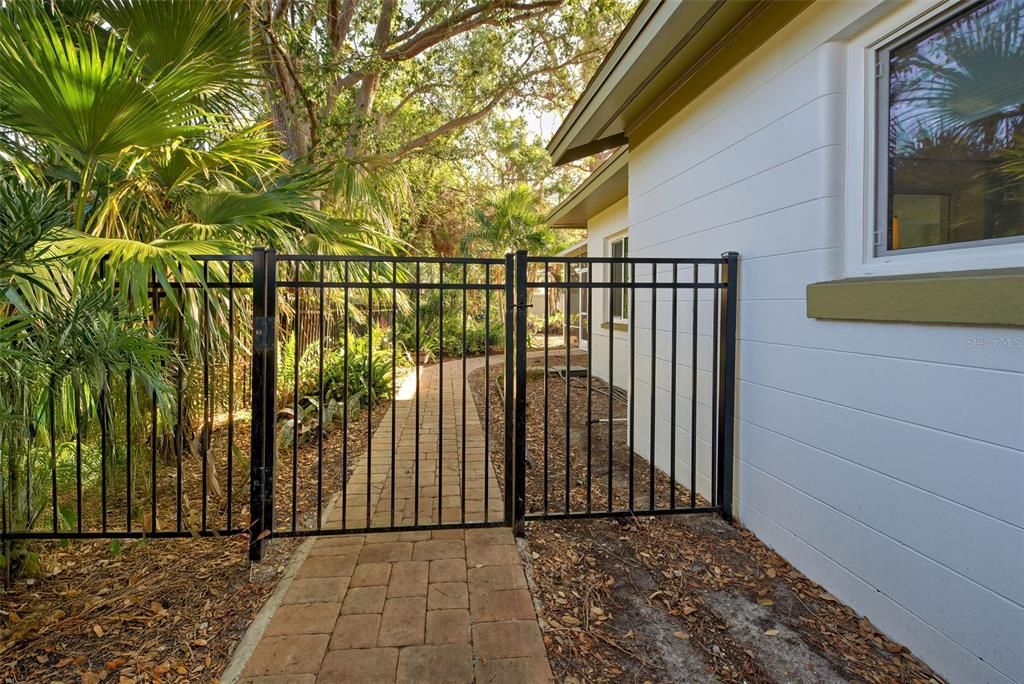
[
  {"x": 609, "y": 223},
  {"x": 886, "y": 461}
]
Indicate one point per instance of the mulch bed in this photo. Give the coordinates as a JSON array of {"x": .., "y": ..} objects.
[
  {"x": 159, "y": 610},
  {"x": 673, "y": 598}
]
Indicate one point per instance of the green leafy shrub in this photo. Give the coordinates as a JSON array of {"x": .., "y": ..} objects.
[
  {"x": 369, "y": 377},
  {"x": 555, "y": 323},
  {"x": 478, "y": 337},
  {"x": 480, "y": 332}
]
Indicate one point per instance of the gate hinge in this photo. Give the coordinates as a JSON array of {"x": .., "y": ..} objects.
[{"x": 263, "y": 332}]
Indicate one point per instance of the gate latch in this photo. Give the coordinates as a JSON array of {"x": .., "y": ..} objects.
[{"x": 263, "y": 332}]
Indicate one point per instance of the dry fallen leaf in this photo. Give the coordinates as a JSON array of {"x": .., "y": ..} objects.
[
  {"x": 97, "y": 630},
  {"x": 689, "y": 610},
  {"x": 765, "y": 602},
  {"x": 681, "y": 635},
  {"x": 771, "y": 632}
]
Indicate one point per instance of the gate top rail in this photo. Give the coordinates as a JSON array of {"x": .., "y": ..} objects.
[
  {"x": 494, "y": 261},
  {"x": 362, "y": 258},
  {"x": 681, "y": 261},
  {"x": 221, "y": 257}
]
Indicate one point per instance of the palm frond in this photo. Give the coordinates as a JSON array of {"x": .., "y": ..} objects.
[
  {"x": 245, "y": 157},
  {"x": 91, "y": 96},
  {"x": 210, "y": 38},
  {"x": 130, "y": 266}
]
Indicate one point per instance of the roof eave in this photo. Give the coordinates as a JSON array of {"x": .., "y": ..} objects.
[
  {"x": 608, "y": 184},
  {"x": 678, "y": 50}
]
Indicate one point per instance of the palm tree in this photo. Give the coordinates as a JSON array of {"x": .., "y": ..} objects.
[
  {"x": 140, "y": 111},
  {"x": 506, "y": 223},
  {"x": 130, "y": 143}
]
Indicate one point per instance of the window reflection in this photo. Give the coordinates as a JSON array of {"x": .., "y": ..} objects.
[{"x": 955, "y": 167}]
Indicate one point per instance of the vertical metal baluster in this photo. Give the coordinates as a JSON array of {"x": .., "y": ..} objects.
[
  {"x": 487, "y": 391},
  {"x": 179, "y": 442},
  {"x": 53, "y": 457},
  {"x": 320, "y": 408},
  {"x": 509, "y": 502},
  {"x": 727, "y": 424},
  {"x": 715, "y": 379},
  {"x": 672, "y": 381},
  {"x": 590, "y": 386},
  {"x": 462, "y": 490},
  {"x": 654, "y": 383},
  {"x": 565, "y": 311},
  {"x": 568, "y": 382},
  {"x": 206, "y": 386},
  {"x": 29, "y": 465},
  {"x": 440, "y": 397},
  {"x": 154, "y": 416},
  {"x": 152, "y": 463},
  {"x": 672, "y": 399},
  {"x": 520, "y": 394},
  {"x": 297, "y": 313},
  {"x": 416, "y": 491},
  {"x": 104, "y": 453},
  {"x": 369, "y": 387},
  {"x": 344, "y": 406},
  {"x": 632, "y": 382},
  {"x": 231, "y": 390},
  {"x": 394, "y": 371},
  {"x": 78, "y": 456},
  {"x": 693, "y": 392},
  {"x": 611, "y": 383},
  {"x": 128, "y": 448}
]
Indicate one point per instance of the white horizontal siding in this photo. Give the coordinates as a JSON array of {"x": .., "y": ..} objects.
[
  {"x": 977, "y": 403},
  {"x": 884, "y": 460},
  {"x": 933, "y": 645},
  {"x": 610, "y": 222},
  {"x": 786, "y": 322}
]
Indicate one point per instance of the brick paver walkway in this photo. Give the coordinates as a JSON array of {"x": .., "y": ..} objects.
[
  {"x": 425, "y": 606},
  {"x": 436, "y": 474}
]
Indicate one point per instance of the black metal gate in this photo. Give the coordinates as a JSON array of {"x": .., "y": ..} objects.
[
  {"x": 400, "y": 394},
  {"x": 427, "y": 463},
  {"x": 645, "y": 429}
]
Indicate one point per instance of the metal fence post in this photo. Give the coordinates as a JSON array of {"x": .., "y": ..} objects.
[
  {"x": 520, "y": 395},
  {"x": 508, "y": 388},
  {"x": 263, "y": 446},
  {"x": 727, "y": 380}
]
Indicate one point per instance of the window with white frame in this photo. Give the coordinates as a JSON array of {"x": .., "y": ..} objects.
[
  {"x": 951, "y": 131},
  {"x": 618, "y": 248}
]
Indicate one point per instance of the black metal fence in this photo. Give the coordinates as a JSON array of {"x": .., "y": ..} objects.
[
  {"x": 118, "y": 459},
  {"x": 623, "y": 425},
  {"x": 319, "y": 395}
]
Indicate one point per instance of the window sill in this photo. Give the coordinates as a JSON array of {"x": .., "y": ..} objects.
[
  {"x": 993, "y": 297},
  {"x": 618, "y": 327}
]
